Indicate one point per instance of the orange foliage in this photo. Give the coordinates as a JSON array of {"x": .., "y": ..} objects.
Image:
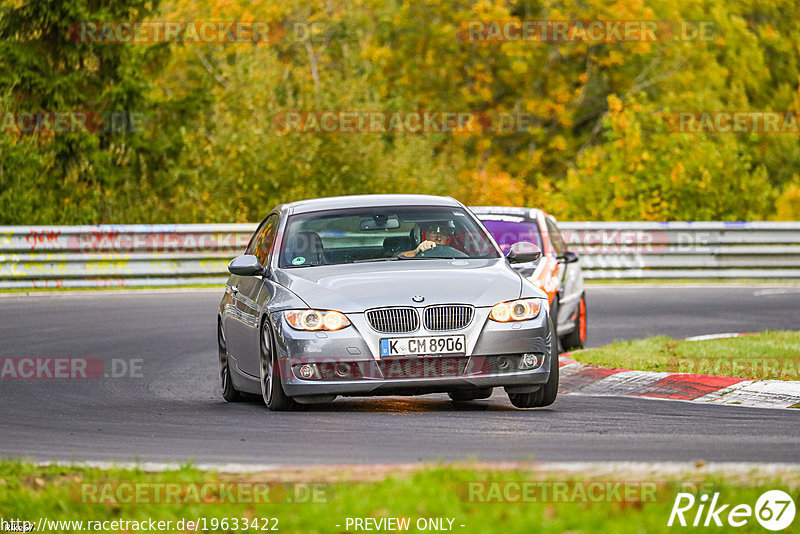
[{"x": 491, "y": 188}]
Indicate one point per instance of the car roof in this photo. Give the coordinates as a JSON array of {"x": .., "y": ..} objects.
[
  {"x": 530, "y": 213},
  {"x": 360, "y": 201}
]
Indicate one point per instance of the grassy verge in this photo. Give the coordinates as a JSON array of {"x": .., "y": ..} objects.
[
  {"x": 641, "y": 504},
  {"x": 768, "y": 355}
]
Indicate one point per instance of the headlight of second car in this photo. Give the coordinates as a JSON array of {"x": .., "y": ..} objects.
[
  {"x": 316, "y": 319},
  {"x": 516, "y": 310}
]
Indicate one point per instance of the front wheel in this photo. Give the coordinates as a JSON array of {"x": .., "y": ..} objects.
[
  {"x": 271, "y": 387},
  {"x": 545, "y": 395},
  {"x": 554, "y": 341}
]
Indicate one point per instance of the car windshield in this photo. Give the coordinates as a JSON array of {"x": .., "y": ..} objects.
[
  {"x": 510, "y": 230},
  {"x": 380, "y": 234}
]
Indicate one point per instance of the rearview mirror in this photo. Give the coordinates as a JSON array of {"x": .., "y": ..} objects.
[
  {"x": 246, "y": 265},
  {"x": 379, "y": 223},
  {"x": 523, "y": 252}
]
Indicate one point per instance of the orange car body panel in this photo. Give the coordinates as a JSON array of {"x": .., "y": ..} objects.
[{"x": 548, "y": 273}]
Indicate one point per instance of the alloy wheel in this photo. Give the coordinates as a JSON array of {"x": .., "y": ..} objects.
[{"x": 266, "y": 364}]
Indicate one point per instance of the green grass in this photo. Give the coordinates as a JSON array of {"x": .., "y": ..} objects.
[
  {"x": 30, "y": 492},
  {"x": 768, "y": 355}
]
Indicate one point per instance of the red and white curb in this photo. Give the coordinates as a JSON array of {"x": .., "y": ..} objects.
[{"x": 583, "y": 379}]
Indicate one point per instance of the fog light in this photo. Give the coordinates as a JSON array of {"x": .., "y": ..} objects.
[
  {"x": 531, "y": 361},
  {"x": 502, "y": 362},
  {"x": 306, "y": 371},
  {"x": 342, "y": 370}
]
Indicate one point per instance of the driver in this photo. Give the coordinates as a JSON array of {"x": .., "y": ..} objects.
[{"x": 433, "y": 234}]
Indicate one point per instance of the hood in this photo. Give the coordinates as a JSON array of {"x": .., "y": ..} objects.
[{"x": 353, "y": 288}]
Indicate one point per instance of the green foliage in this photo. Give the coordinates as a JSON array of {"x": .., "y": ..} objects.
[
  {"x": 595, "y": 144},
  {"x": 101, "y": 176},
  {"x": 643, "y": 171}
]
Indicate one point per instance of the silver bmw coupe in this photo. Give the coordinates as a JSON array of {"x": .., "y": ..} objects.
[{"x": 382, "y": 295}]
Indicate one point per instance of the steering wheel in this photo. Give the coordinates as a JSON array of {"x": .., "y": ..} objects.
[{"x": 442, "y": 251}]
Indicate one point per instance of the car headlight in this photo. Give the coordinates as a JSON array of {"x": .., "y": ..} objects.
[
  {"x": 515, "y": 310},
  {"x": 316, "y": 319}
]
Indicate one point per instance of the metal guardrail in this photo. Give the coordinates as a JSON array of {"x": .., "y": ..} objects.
[
  {"x": 699, "y": 250},
  {"x": 118, "y": 255},
  {"x": 154, "y": 255}
]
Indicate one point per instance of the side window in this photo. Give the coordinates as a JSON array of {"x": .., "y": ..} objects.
[
  {"x": 265, "y": 239},
  {"x": 556, "y": 238},
  {"x": 251, "y": 245},
  {"x": 261, "y": 244}
]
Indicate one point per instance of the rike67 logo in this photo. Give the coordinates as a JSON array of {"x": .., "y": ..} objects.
[{"x": 774, "y": 510}]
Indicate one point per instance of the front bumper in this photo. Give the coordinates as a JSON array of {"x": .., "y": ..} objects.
[{"x": 493, "y": 356}]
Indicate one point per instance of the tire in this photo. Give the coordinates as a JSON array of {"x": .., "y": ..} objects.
[
  {"x": 545, "y": 395},
  {"x": 577, "y": 338},
  {"x": 556, "y": 345},
  {"x": 463, "y": 395},
  {"x": 229, "y": 392},
  {"x": 271, "y": 387}
]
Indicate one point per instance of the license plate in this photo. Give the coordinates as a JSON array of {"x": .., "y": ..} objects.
[{"x": 423, "y": 345}]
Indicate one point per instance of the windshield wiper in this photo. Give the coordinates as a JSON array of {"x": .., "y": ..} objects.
[
  {"x": 428, "y": 258},
  {"x": 375, "y": 259}
]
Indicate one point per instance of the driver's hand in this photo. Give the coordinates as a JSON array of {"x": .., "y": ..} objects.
[{"x": 425, "y": 245}]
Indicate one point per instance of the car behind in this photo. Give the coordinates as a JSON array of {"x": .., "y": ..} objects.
[{"x": 557, "y": 272}]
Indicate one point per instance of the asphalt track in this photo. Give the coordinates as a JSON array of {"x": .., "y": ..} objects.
[{"x": 173, "y": 411}]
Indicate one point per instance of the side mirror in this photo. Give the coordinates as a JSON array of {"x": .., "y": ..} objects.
[
  {"x": 523, "y": 252},
  {"x": 568, "y": 257},
  {"x": 246, "y": 265}
]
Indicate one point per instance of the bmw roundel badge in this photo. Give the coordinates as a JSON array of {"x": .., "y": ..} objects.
[{"x": 417, "y": 298}]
